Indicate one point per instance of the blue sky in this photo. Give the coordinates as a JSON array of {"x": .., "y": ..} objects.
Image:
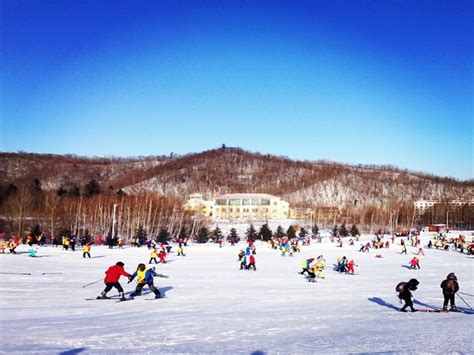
[{"x": 372, "y": 82}]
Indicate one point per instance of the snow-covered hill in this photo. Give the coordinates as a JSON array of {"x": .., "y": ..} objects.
[{"x": 213, "y": 307}]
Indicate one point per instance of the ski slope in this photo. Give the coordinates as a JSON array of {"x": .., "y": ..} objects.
[{"x": 213, "y": 307}]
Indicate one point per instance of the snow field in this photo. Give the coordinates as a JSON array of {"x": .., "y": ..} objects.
[{"x": 213, "y": 307}]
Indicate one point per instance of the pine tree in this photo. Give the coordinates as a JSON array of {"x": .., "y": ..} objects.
[
  {"x": 290, "y": 232},
  {"x": 335, "y": 230},
  {"x": 315, "y": 230},
  {"x": 217, "y": 234},
  {"x": 280, "y": 233},
  {"x": 354, "y": 231},
  {"x": 265, "y": 232},
  {"x": 343, "y": 231},
  {"x": 163, "y": 236},
  {"x": 251, "y": 233},
  {"x": 140, "y": 235},
  {"x": 203, "y": 235},
  {"x": 233, "y": 235},
  {"x": 91, "y": 188},
  {"x": 303, "y": 233}
]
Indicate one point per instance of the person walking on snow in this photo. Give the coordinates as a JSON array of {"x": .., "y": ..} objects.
[
  {"x": 86, "y": 250},
  {"x": 180, "y": 251},
  {"x": 145, "y": 277},
  {"x": 153, "y": 257},
  {"x": 251, "y": 263},
  {"x": 415, "y": 263},
  {"x": 406, "y": 295},
  {"x": 450, "y": 286},
  {"x": 112, "y": 276}
]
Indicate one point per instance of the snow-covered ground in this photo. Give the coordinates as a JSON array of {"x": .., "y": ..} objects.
[{"x": 213, "y": 307}]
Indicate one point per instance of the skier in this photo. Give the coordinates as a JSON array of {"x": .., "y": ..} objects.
[
  {"x": 241, "y": 254},
  {"x": 180, "y": 251},
  {"x": 404, "y": 250},
  {"x": 405, "y": 293},
  {"x": 350, "y": 267},
  {"x": 251, "y": 263},
  {"x": 420, "y": 252},
  {"x": 162, "y": 255},
  {"x": 145, "y": 277},
  {"x": 112, "y": 276},
  {"x": 450, "y": 286},
  {"x": 153, "y": 257},
  {"x": 305, "y": 264},
  {"x": 243, "y": 262},
  {"x": 11, "y": 245},
  {"x": 415, "y": 263},
  {"x": 342, "y": 264},
  {"x": 32, "y": 252},
  {"x": 86, "y": 250}
]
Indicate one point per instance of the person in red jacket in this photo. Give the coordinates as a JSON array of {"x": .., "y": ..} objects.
[
  {"x": 251, "y": 263},
  {"x": 112, "y": 276},
  {"x": 350, "y": 267}
]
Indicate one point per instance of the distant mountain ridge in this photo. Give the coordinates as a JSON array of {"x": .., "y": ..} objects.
[{"x": 231, "y": 170}]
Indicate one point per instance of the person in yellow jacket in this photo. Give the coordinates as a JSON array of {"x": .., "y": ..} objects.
[
  {"x": 153, "y": 257},
  {"x": 86, "y": 250},
  {"x": 144, "y": 277}
]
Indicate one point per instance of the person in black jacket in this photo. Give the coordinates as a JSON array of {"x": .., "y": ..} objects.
[
  {"x": 450, "y": 286},
  {"x": 406, "y": 295}
]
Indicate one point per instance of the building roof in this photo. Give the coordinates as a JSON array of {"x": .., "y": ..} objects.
[{"x": 246, "y": 195}]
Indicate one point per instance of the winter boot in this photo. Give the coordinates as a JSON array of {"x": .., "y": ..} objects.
[
  {"x": 445, "y": 308},
  {"x": 122, "y": 296},
  {"x": 453, "y": 309},
  {"x": 103, "y": 296}
]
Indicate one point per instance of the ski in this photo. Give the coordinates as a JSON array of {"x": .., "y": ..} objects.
[
  {"x": 101, "y": 299},
  {"x": 126, "y": 299},
  {"x": 432, "y": 311}
]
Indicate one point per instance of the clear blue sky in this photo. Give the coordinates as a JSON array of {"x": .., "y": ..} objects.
[{"x": 376, "y": 82}]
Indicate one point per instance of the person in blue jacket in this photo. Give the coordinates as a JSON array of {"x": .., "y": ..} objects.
[
  {"x": 305, "y": 265},
  {"x": 145, "y": 277}
]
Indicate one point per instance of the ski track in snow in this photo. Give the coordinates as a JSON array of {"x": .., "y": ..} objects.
[{"x": 213, "y": 307}]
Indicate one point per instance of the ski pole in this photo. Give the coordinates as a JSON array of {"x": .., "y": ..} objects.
[
  {"x": 91, "y": 283},
  {"x": 465, "y": 302},
  {"x": 15, "y": 273},
  {"x": 466, "y": 294},
  {"x": 52, "y": 273}
]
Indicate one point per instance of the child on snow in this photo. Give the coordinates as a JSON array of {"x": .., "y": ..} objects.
[
  {"x": 112, "y": 276},
  {"x": 415, "y": 263},
  {"x": 405, "y": 294},
  {"x": 180, "y": 251},
  {"x": 305, "y": 264},
  {"x": 153, "y": 257},
  {"x": 251, "y": 263},
  {"x": 86, "y": 249},
  {"x": 450, "y": 286},
  {"x": 145, "y": 277}
]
